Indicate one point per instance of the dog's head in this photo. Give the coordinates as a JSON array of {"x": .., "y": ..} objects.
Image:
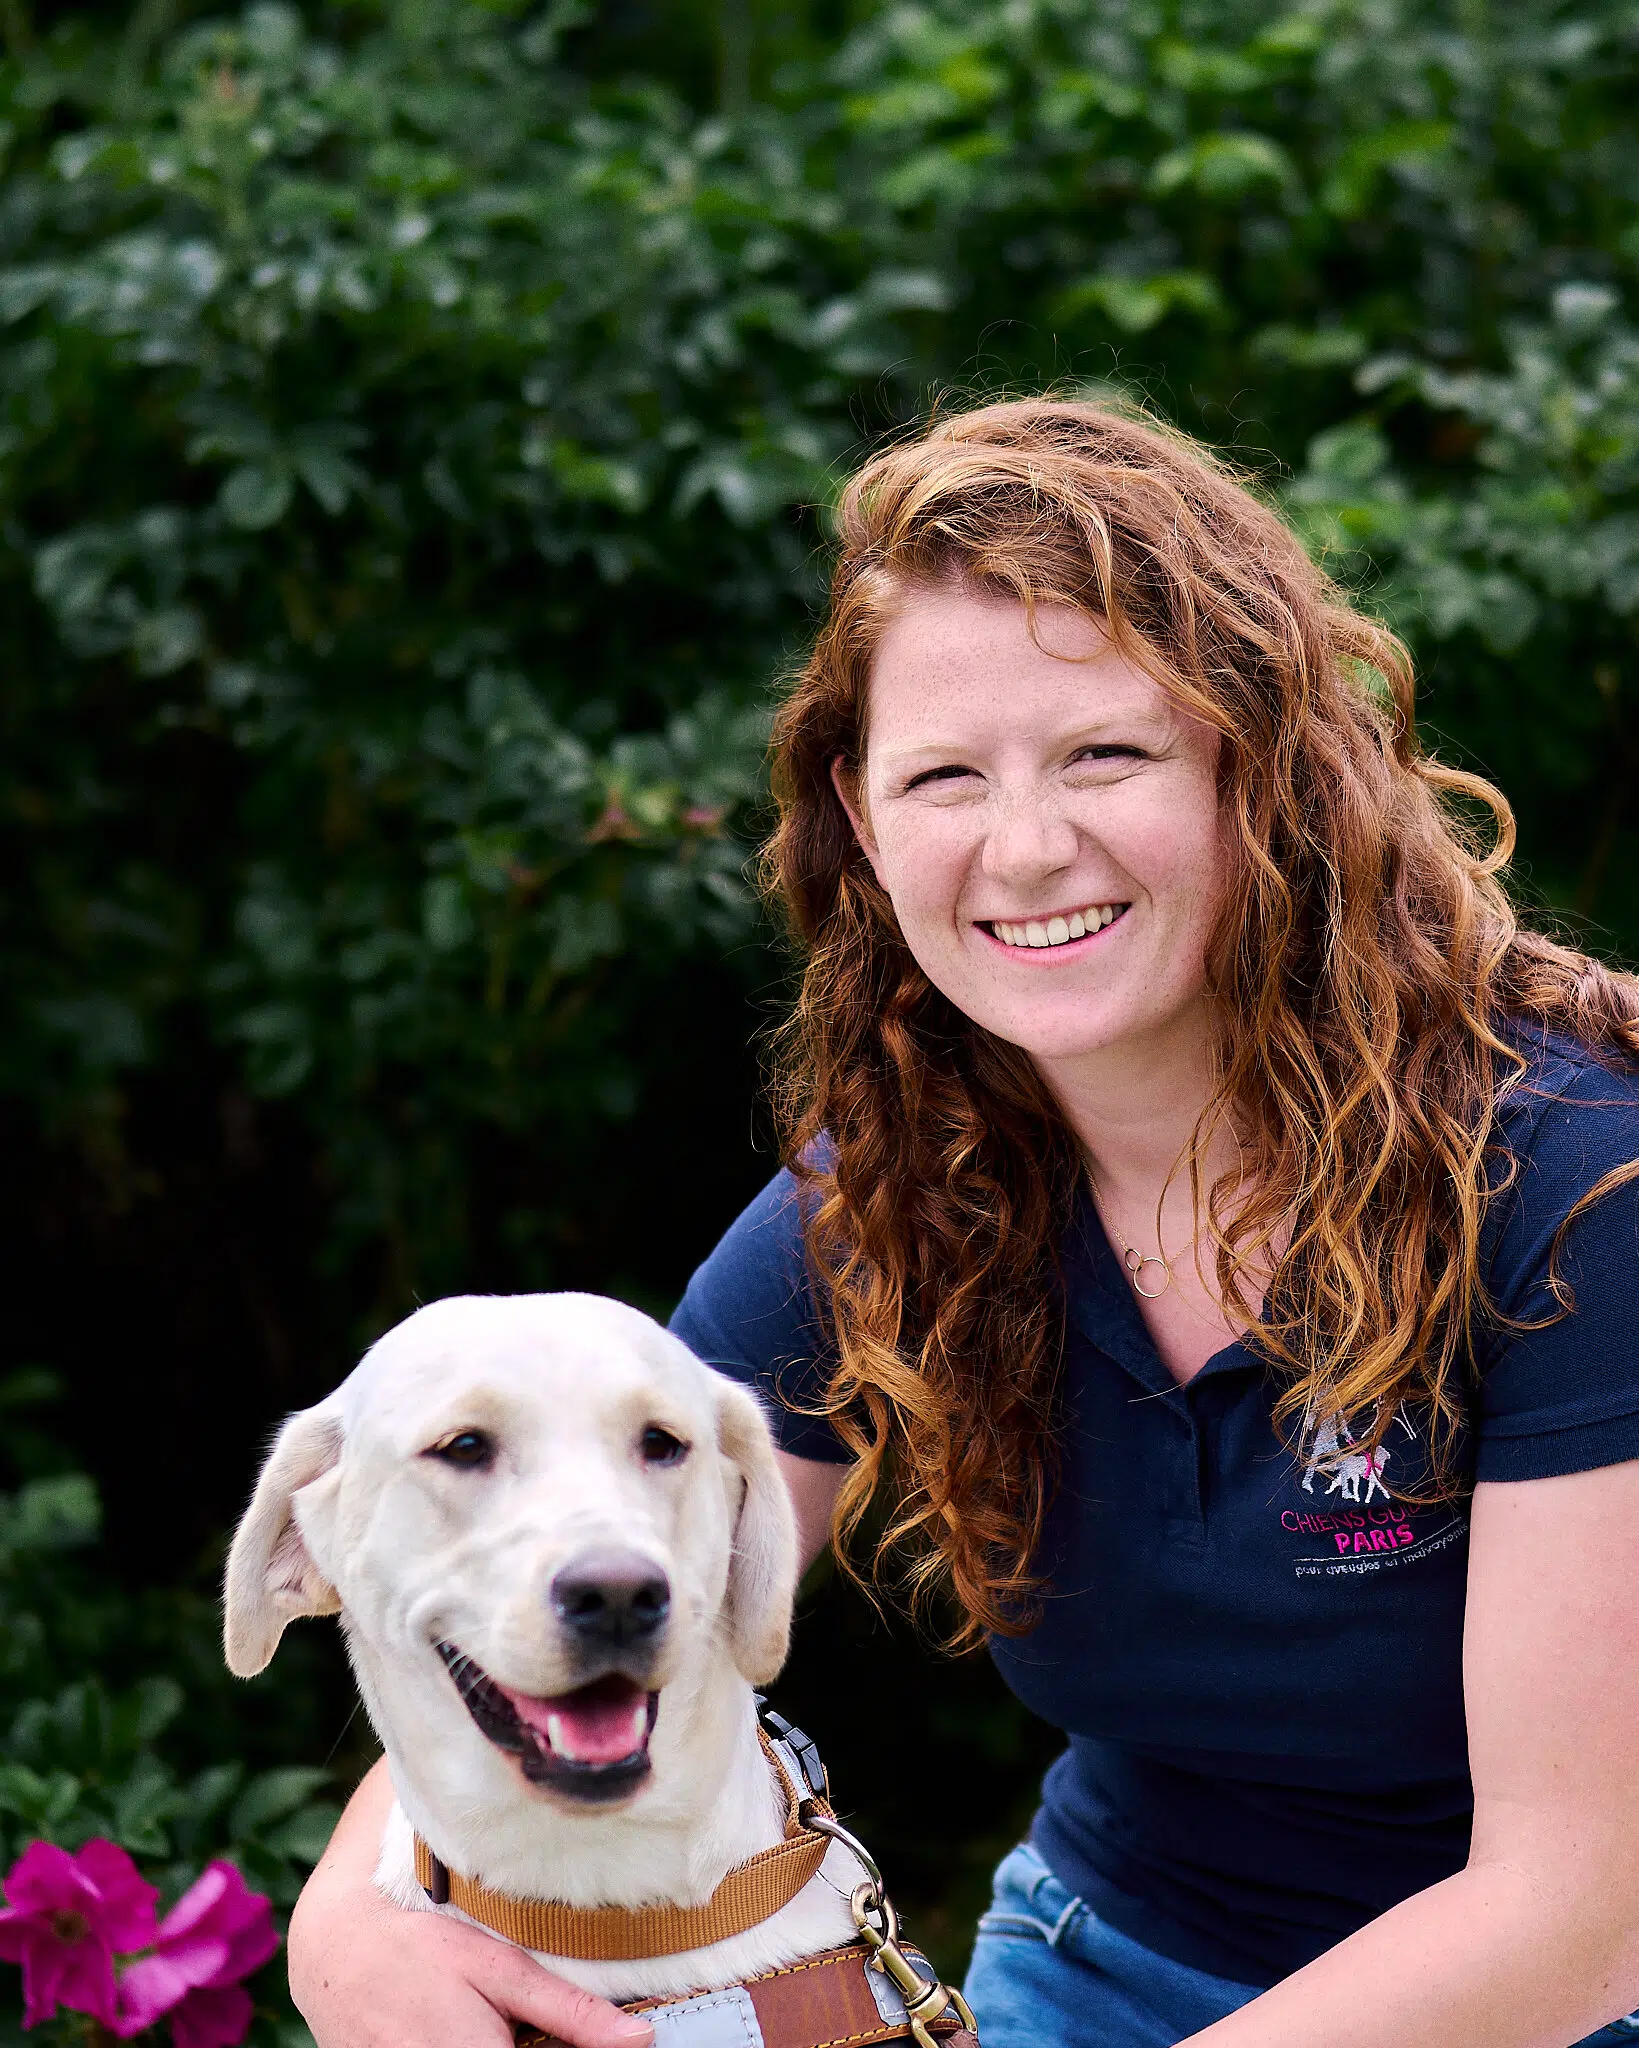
[{"x": 534, "y": 1513}]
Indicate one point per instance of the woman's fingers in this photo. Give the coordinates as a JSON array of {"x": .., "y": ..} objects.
[
  {"x": 368, "y": 1974},
  {"x": 417, "y": 1980},
  {"x": 516, "y": 1985}
]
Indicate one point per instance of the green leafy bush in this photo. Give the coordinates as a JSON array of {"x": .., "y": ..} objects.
[
  {"x": 96, "y": 1741},
  {"x": 407, "y": 440}
]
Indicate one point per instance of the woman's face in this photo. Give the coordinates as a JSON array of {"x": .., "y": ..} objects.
[{"x": 1046, "y": 828}]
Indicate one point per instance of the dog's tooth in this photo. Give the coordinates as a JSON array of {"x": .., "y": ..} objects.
[
  {"x": 554, "y": 1735},
  {"x": 640, "y": 1724}
]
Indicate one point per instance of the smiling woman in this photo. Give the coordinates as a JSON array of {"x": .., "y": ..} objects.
[
  {"x": 1299, "y": 1178},
  {"x": 1208, "y": 1221}
]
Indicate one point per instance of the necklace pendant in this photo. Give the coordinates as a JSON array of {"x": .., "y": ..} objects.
[{"x": 1135, "y": 1261}]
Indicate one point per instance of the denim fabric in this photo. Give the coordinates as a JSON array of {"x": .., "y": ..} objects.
[{"x": 1046, "y": 1968}]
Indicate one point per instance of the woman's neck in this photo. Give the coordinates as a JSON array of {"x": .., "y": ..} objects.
[
  {"x": 1134, "y": 1116},
  {"x": 1135, "y": 1108}
]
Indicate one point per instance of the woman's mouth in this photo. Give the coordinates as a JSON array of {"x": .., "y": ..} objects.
[{"x": 1063, "y": 928}]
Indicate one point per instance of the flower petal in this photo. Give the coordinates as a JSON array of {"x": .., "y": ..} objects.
[
  {"x": 252, "y": 1945},
  {"x": 76, "y": 1974},
  {"x": 42, "y": 1880},
  {"x": 150, "y": 1987},
  {"x": 219, "y": 1930},
  {"x": 125, "y": 1912},
  {"x": 216, "y": 2018},
  {"x": 219, "y": 1902}
]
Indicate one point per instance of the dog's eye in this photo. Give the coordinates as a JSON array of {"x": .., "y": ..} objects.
[
  {"x": 660, "y": 1447},
  {"x": 469, "y": 1448}
]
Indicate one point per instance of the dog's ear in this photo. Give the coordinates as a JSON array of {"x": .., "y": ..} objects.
[
  {"x": 272, "y": 1577},
  {"x": 762, "y": 1576}
]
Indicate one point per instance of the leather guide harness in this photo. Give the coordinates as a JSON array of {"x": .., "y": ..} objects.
[{"x": 876, "y": 1991}]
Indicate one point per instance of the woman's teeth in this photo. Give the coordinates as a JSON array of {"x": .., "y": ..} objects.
[{"x": 1058, "y": 931}]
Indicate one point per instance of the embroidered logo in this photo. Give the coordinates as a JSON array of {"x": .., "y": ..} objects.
[
  {"x": 1331, "y": 1450},
  {"x": 1368, "y": 1530}
]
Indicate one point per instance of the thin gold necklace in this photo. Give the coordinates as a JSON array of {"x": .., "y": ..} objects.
[{"x": 1131, "y": 1257}]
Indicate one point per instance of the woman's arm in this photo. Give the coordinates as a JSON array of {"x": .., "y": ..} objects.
[
  {"x": 1536, "y": 1942},
  {"x": 366, "y": 1974},
  {"x": 813, "y": 1486}
]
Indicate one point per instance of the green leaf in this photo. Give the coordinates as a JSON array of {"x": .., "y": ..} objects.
[
  {"x": 155, "y": 1704},
  {"x": 1351, "y": 186},
  {"x": 305, "y": 1836},
  {"x": 1136, "y": 304},
  {"x": 330, "y": 477},
  {"x": 54, "y": 1514},
  {"x": 273, "y": 1796},
  {"x": 1224, "y": 166},
  {"x": 44, "y": 1803},
  {"x": 256, "y": 495},
  {"x": 143, "y": 1804},
  {"x": 446, "y": 916},
  {"x": 165, "y": 640}
]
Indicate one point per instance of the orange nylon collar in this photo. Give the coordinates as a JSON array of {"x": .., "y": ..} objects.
[{"x": 753, "y": 1891}]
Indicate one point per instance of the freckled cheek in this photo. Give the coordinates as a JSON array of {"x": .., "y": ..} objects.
[
  {"x": 925, "y": 871},
  {"x": 1182, "y": 876}
]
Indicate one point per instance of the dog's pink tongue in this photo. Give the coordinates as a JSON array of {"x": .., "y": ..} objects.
[{"x": 598, "y": 1724}]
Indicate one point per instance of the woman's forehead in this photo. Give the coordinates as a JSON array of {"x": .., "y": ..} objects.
[{"x": 950, "y": 664}]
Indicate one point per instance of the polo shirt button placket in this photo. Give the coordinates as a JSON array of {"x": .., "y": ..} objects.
[{"x": 1185, "y": 1509}]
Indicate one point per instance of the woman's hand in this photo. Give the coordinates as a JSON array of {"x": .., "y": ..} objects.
[{"x": 367, "y": 1974}]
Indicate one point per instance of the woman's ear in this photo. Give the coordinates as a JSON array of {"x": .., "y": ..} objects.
[
  {"x": 762, "y": 1577},
  {"x": 848, "y": 782}
]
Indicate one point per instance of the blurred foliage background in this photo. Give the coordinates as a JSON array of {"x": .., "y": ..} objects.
[{"x": 416, "y": 424}]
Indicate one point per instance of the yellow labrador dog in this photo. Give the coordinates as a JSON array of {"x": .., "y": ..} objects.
[{"x": 562, "y": 1553}]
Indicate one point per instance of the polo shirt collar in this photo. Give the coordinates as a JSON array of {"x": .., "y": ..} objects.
[{"x": 1100, "y": 1303}]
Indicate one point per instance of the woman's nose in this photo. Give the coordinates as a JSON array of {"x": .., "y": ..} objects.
[{"x": 1029, "y": 838}]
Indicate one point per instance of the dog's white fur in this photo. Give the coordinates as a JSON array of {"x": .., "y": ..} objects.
[{"x": 350, "y": 1516}]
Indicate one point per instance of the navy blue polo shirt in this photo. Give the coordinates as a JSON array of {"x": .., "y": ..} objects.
[{"x": 1255, "y": 1649}]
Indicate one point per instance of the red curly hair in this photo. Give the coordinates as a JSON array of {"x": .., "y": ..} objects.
[{"x": 1362, "y": 963}]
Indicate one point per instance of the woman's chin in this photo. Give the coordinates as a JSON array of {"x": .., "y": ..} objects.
[
  {"x": 1062, "y": 1040},
  {"x": 1089, "y": 1033}
]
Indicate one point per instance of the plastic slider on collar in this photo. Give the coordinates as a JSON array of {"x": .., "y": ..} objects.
[{"x": 809, "y": 1769}]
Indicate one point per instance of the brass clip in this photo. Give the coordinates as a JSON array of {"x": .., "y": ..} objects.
[{"x": 925, "y": 1999}]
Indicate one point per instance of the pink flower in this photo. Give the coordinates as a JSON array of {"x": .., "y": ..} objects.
[
  {"x": 215, "y": 1934},
  {"x": 64, "y": 1918}
]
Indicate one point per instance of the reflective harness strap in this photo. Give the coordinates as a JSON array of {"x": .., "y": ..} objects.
[{"x": 835, "y": 2000}]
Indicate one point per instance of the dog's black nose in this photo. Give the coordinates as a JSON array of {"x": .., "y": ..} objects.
[{"x": 611, "y": 1598}]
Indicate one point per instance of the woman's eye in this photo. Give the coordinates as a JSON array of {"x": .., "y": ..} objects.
[
  {"x": 471, "y": 1449},
  {"x": 1108, "y": 753},
  {"x": 659, "y": 1447},
  {"x": 949, "y": 773}
]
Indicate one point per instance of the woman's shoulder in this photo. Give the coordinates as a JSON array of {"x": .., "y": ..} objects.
[
  {"x": 759, "y": 1262},
  {"x": 1569, "y": 1120},
  {"x": 750, "y": 1311},
  {"x": 1559, "y": 1387},
  {"x": 1572, "y": 1101}
]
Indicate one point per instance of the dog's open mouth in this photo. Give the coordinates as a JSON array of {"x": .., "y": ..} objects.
[{"x": 592, "y": 1743}]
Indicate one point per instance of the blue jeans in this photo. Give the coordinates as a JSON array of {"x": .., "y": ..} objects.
[{"x": 1047, "y": 1969}]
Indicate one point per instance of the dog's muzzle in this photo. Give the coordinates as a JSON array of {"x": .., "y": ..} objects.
[
  {"x": 611, "y": 1604},
  {"x": 592, "y": 1742}
]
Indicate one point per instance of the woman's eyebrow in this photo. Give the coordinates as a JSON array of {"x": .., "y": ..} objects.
[{"x": 1083, "y": 732}]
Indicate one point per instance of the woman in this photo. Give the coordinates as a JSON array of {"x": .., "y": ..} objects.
[{"x": 1216, "y": 1216}]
